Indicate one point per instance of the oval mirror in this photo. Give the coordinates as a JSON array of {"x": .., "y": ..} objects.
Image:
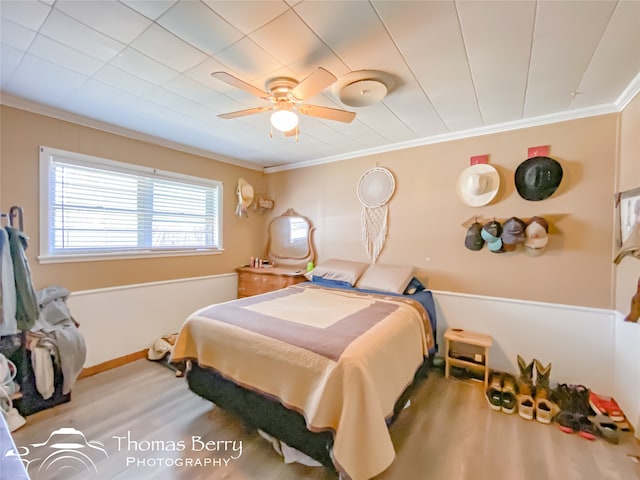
[{"x": 290, "y": 240}]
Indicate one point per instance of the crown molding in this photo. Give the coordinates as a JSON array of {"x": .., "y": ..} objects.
[
  {"x": 447, "y": 137},
  {"x": 628, "y": 94}
]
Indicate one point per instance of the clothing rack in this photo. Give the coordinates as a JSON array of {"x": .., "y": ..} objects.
[
  {"x": 15, "y": 348},
  {"x": 15, "y": 212}
]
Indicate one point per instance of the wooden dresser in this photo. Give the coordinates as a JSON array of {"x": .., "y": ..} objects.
[{"x": 253, "y": 281}]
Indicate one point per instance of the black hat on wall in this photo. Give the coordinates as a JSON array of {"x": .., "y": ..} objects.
[{"x": 538, "y": 178}]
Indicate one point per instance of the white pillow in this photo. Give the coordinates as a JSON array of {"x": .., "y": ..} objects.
[
  {"x": 387, "y": 278},
  {"x": 340, "y": 270}
]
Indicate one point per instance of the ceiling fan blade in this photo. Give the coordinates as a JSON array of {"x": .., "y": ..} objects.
[
  {"x": 317, "y": 81},
  {"x": 243, "y": 113},
  {"x": 236, "y": 82},
  {"x": 327, "y": 113}
]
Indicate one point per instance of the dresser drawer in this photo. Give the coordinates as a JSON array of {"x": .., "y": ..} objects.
[{"x": 254, "y": 281}]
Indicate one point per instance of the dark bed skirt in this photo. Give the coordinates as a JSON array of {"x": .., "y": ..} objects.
[{"x": 269, "y": 415}]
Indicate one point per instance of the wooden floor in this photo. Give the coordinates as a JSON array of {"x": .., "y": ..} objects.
[{"x": 142, "y": 414}]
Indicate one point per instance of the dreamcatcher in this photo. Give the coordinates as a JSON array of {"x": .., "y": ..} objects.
[{"x": 375, "y": 188}]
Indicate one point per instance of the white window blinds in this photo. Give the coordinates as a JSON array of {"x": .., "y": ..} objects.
[{"x": 97, "y": 206}]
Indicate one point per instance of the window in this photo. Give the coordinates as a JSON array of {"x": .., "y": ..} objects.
[{"x": 97, "y": 208}]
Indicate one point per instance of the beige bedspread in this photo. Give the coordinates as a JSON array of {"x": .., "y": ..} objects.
[{"x": 341, "y": 358}]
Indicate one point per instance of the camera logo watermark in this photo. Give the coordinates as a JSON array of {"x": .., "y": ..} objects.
[
  {"x": 68, "y": 454},
  {"x": 65, "y": 453}
]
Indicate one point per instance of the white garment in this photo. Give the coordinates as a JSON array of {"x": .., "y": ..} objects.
[
  {"x": 8, "y": 325},
  {"x": 42, "y": 368},
  {"x": 56, "y": 326}
]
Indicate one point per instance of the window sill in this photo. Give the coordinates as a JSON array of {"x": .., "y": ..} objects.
[{"x": 96, "y": 257}]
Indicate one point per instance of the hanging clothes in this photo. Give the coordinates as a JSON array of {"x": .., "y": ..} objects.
[
  {"x": 8, "y": 325},
  {"x": 27, "y": 308},
  {"x": 59, "y": 336}
]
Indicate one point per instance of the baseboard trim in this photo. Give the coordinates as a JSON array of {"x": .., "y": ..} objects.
[{"x": 109, "y": 364}]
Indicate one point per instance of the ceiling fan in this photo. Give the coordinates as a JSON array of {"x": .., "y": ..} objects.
[{"x": 287, "y": 95}]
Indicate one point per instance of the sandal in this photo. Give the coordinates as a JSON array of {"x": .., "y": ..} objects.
[{"x": 494, "y": 391}]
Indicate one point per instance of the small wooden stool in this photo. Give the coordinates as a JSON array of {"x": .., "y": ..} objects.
[{"x": 469, "y": 338}]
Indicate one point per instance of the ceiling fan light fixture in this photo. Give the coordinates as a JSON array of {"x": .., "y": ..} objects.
[{"x": 284, "y": 120}]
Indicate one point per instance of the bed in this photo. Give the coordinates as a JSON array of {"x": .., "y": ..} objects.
[{"x": 324, "y": 366}]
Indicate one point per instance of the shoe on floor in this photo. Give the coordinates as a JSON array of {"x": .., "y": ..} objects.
[
  {"x": 545, "y": 408},
  {"x": 494, "y": 391},
  {"x": 525, "y": 401},
  {"x": 606, "y": 406},
  {"x": 606, "y": 428},
  {"x": 509, "y": 393},
  {"x": 586, "y": 429}
]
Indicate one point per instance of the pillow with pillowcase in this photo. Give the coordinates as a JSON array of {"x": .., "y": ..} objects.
[
  {"x": 386, "y": 278},
  {"x": 346, "y": 271},
  {"x": 414, "y": 286}
]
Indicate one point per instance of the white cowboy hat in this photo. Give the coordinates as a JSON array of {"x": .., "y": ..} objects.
[
  {"x": 478, "y": 184},
  {"x": 245, "y": 193}
]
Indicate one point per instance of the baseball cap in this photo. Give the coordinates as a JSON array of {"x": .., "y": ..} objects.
[
  {"x": 491, "y": 232},
  {"x": 513, "y": 233},
  {"x": 537, "y": 236},
  {"x": 473, "y": 239}
]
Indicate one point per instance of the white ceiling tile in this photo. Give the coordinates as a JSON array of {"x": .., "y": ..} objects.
[
  {"x": 442, "y": 73},
  {"x": 526, "y": 56},
  {"x": 27, "y": 81},
  {"x": 137, "y": 64},
  {"x": 615, "y": 62},
  {"x": 197, "y": 24},
  {"x": 248, "y": 15},
  {"x": 245, "y": 58},
  {"x": 498, "y": 42},
  {"x": 166, "y": 48},
  {"x": 178, "y": 103},
  {"x": 67, "y": 57},
  {"x": 122, "y": 80},
  {"x": 29, "y": 14},
  {"x": 111, "y": 18},
  {"x": 354, "y": 31},
  {"x": 150, "y": 8},
  {"x": 323, "y": 57},
  {"x": 15, "y": 35},
  {"x": 416, "y": 111},
  {"x": 9, "y": 61},
  {"x": 95, "y": 95},
  {"x": 288, "y": 38},
  {"x": 202, "y": 73},
  {"x": 74, "y": 34},
  {"x": 193, "y": 90},
  {"x": 562, "y": 50}
]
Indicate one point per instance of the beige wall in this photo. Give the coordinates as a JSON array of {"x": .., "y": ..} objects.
[
  {"x": 628, "y": 271},
  {"x": 23, "y": 132},
  {"x": 425, "y": 215}
]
